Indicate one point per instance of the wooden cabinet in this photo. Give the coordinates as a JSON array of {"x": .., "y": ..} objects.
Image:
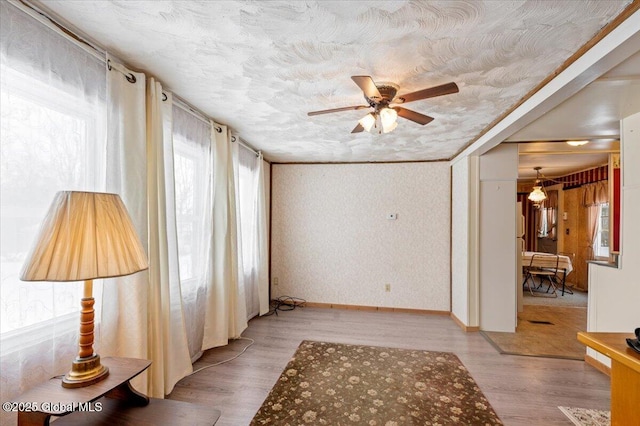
[{"x": 111, "y": 401}]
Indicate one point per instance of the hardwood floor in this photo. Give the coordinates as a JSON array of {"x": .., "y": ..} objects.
[{"x": 522, "y": 390}]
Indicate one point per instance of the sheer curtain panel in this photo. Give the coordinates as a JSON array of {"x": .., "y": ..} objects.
[
  {"x": 52, "y": 127},
  {"x": 247, "y": 167},
  {"x": 193, "y": 169}
]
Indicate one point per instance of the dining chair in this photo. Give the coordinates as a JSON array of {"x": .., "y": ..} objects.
[{"x": 544, "y": 267}]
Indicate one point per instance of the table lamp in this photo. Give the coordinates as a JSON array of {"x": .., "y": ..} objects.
[{"x": 85, "y": 235}]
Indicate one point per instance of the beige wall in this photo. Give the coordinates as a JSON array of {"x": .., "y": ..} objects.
[
  {"x": 332, "y": 241},
  {"x": 499, "y": 277},
  {"x": 614, "y": 292}
]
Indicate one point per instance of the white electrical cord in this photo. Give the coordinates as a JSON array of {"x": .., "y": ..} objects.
[{"x": 227, "y": 360}]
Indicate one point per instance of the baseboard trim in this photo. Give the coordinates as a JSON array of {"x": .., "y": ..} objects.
[
  {"x": 374, "y": 308},
  {"x": 597, "y": 365},
  {"x": 462, "y": 325}
]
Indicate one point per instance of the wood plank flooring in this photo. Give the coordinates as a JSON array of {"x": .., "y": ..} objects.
[{"x": 522, "y": 390}]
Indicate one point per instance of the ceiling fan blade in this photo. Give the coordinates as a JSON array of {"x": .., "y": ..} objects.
[
  {"x": 432, "y": 92},
  {"x": 327, "y": 111},
  {"x": 358, "y": 128},
  {"x": 413, "y": 116},
  {"x": 367, "y": 85}
]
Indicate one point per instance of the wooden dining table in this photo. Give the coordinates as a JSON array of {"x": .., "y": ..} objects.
[{"x": 564, "y": 263}]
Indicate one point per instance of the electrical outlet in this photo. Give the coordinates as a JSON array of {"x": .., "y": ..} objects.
[
  {"x": 275, "y": 280},
  {"x": 387, "y": 287}
]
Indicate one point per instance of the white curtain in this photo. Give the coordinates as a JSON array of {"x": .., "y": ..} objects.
[
  {"x": 262, "y": 236},
  {"x": 124, "y": 305},
  {"x": 142, "y": 313},
  {"x": 167, "y": 338},
  {"x": 246, "y": 173},
  {"x": 52, "y": 109},
  {"x": 225, "y": 312},
  {"x": 252, "y": 229}
]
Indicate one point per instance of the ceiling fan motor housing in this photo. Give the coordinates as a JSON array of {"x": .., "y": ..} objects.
[{"x": 387, "y": 91}]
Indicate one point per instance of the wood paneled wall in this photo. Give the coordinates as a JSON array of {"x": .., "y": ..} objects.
[{"x": 576, "y": 241}]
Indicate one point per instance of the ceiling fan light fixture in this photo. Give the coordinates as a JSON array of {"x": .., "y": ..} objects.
[
  {"x": 380, "y": 95},
  {"x": 577, "y": 143},
  {"x": 367, "y": 121}
]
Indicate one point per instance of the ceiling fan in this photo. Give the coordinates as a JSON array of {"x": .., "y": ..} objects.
[{"x": 381, "y": 95}]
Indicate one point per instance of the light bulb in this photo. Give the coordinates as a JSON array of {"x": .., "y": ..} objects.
[{"x": 577, "y": 143}]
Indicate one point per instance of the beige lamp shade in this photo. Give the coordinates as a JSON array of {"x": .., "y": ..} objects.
[{"x": 85, "y": 235}]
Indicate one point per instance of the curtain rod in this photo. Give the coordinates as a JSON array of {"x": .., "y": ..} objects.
[
  {"x": 237, "y": 139},
  {"x": 101, "y": 54},
  {"x": 44, "y": 18},
  {"x": 180, "y": 103}
]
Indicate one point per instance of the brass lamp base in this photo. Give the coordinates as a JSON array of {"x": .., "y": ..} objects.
[{"x": 85, "y": 372}]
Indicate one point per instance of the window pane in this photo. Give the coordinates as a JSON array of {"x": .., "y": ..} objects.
[{"x": 601, "y": 247}]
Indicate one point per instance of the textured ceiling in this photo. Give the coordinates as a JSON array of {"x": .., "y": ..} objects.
[{"x": 259, "y": 67}]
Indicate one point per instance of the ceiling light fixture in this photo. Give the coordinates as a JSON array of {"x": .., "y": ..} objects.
[
  {"x": 537, "y": 195},
  {"x": 577, "y": 143},
  {"x": 387, "y": 116},
  {"x": 368, "y": 121}
]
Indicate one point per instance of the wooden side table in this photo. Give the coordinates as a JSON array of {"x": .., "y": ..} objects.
[
  {"x": 111, "y": 401},
  {"x": 625, "y": 374}
]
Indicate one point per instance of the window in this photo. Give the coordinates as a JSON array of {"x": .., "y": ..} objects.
[
  {"x": 547, "y": 222},
  {"x": 50, "y": 140},
  {"x": 543, "y": 230},
  {"x": 189, "y": 185},
  {"x": 601, "y": 245}
]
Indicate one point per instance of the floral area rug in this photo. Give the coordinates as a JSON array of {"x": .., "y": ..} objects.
[
  {"x": 337, "y": 384},
  {"x": 587, "y": 417}
]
